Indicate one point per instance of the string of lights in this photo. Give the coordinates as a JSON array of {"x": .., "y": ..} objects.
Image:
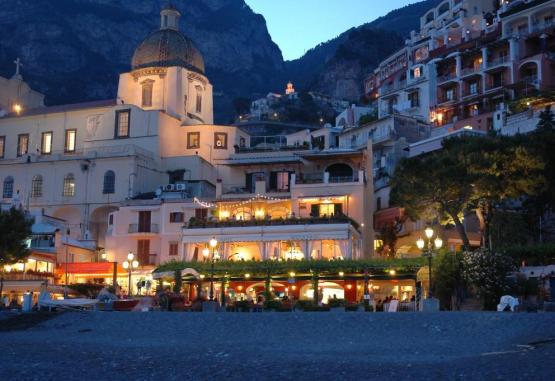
[{"x": 252, "y": 199}]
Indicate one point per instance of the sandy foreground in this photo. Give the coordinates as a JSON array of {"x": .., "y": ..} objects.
[{"x": 282, "y": 346}]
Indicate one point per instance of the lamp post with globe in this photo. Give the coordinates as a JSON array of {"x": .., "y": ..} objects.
[
  {"x": 427, "y": 246},
  {"x": 213, "y": 243},
  {"x": 130, "y": 264}
]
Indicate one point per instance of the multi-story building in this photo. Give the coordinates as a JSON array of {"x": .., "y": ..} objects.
[{"x": 469, "y": 58}]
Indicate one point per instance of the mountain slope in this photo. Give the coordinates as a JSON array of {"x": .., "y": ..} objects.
[
  {"x": 74, "y": 50},
  {"x": 327, "y": 61}
]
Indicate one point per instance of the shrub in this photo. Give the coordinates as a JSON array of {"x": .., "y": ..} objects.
[
  {"x": 89, "y": 290},
  {"x": 335, "y": 303},
  {"x": 272, "y": 305}
]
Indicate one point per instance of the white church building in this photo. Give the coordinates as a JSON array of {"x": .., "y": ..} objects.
[{"x": 77, "y": 162}]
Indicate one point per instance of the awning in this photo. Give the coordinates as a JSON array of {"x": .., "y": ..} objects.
[{"x": 90, "y": 268}]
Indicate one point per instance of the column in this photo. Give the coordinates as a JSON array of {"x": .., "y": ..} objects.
[
  {"x": 306, "y": 253},
  {"x": 458, "y": 65}
]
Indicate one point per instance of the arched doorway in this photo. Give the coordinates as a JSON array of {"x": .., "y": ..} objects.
[
  {"x": 327, "y": 290},
  {"x": 340, "y": 172}
]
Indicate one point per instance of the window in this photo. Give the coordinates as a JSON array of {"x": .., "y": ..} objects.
[
  {"x": 177, "y": 217},
  {"x": 417, "y": 73},
  {"x": 109, "y": 183},
  {"x": 22, "y": 144},
  {"x": 7, "y": 191},
  {"x": 174, "y": 249},
  {"x": 198, "y": 107},
  {"x": 414, "y": 99},
  {"x": 123, "y": 118},
  {"x": 193, "y": 140},
  {"x": 201, "y": 214},
  {"x": 279, "y": 181},
  {"x": 242, "y": 142},
  {"x": 147, "y": 92},
  {"x": 220, "y": 140},
  {"x": 111, "y": 219},
  {"x": 473, "y": 88},
  {"x": 143, "y": 252},
  {"x": 36, "y": 186},
  {"x": 450, "y": 95},
  {"x": 185, "y": 104},
  {"x": 71, "y": 136},
  {"x": 69, "y": 186},
  {"x": 46, "y": 143},
  {"x": 2, "y": 146},
  {"x": 326, "y": 210}
]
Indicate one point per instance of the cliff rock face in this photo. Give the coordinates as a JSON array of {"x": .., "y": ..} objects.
[{"x": 74, "y": 50}]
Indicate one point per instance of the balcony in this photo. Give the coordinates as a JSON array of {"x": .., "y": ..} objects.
[
  {"x": 325, "y": 178},
  {"x": 446, "y": 78},
  {"x": 29, "y": 275},
  {"x": 469, "y": 71},
  {"x": 150, "y": 259},
  {"x": 542, "y": 26},
  {"x": 139, "y": 229},
  {"x": 240, "y": 150},
  {"x": 203, "y": 224},
  {"x": 492, "y": 86},
  {"x": 470, "y": 94},
  {"x": 496, "y": 62},
  {"x": 445, "y": 99}
]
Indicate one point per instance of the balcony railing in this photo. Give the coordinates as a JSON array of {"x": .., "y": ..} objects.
[
  {"x": 445, "y": 99},
  {"x": 446, "y": 78},
  {"x": 320, "y": 178},
  {"x": 28, "y": 275},
  {"x": 147, "y": 260},
  {"x": 471, "y": 70},
  {"x": 240, "y": 150},
  {"x": 204, "y": 224},
  {"x": 497, "y": 61},
  {"x": 136, "y": 228},
  {"x": 544, "y": 25}
]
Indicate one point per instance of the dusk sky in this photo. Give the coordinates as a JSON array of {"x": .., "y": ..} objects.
[{"x": 298, "y": 25}]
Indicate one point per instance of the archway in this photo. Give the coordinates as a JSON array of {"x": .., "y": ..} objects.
[
  {"x": 72, "y": 217},
  {"x": 340, "y": 171},
  {"x": 98, "y": 224},
  {"x": 528, "y": 72},
  {"x": 327, "y": 290}
]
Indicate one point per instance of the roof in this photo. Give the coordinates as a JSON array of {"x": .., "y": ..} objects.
[
  {"x": 65, "y": 108},
  {"x": 168, "y": 47}
]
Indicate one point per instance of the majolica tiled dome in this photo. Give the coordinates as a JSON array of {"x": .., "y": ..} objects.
[{"x": 165, "y": 48}]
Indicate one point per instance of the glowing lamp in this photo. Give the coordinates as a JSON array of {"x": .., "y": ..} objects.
[
  {"x": 247, "y": 276},
  {"x": 205, "y": 252},
  {"x": 17, "y": 108},
  {"x": 292, "y": 274},
  {"x": 130, "y": 256},
  {"x": 135, "y": 264},
  {"x": 125, "y": 265},
  {"x": 420, "y": 243},
  {"x": 438, "y": 243},
  {"x": 213, "y": 242},
  {"x": 392, "y": 272},
  {"x": 341, "y": 273},
  {"x": 429, "y": 232}
]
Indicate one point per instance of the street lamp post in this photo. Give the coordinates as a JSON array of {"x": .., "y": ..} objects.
[
  {"x": 130, "y": 264},
  {"x": 427, "y": 247},
  {"x": 213, "y": 243}
]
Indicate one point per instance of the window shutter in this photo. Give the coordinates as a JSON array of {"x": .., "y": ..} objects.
[
  {"x": 273, "y": 180},
  {"x": 249, "y": 184}
]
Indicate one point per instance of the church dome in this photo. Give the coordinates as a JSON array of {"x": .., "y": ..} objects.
[{"x": 168, "y": 47}]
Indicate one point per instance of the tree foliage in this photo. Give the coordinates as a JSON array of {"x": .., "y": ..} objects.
[
  {"x": 15, "y": 229},
  {"x": 449, "y": 283},
  {"x": 470, "y": 173},
  {"x": 487, "y": 272}
]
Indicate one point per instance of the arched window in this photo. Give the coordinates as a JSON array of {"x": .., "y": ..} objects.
[
  {"x": 69, "y": 185},
  {"x": 36, "y": 186},
  {"x": 8, "y": 187},
  {"x": 340, "y": 172},
  {"x": 109, "y": 183},
  {"x": 147, "y": 92}
]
